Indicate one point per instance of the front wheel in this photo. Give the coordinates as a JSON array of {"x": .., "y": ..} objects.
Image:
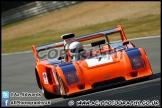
[
  {"x": 61, "y": 87},
  {"x": 46, "y": 94}
]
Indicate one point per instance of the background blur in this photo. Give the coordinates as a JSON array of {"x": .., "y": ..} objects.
[{"x": 26, "y": 23}]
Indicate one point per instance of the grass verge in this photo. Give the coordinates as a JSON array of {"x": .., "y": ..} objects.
[{"x": 139, "y": 27}]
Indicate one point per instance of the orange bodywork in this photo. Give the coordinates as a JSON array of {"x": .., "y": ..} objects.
[{"x": 120, "y": 65}]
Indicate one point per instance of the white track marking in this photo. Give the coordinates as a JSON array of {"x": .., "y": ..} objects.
[
  {"x": 144, "y": 37},
  {"x": 85, "y": 45},
  {"x": 16, "y": 53}
]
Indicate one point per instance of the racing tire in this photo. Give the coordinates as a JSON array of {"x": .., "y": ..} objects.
[
  {"x": 147, "y": 78},
  {"x": 46, "y": 94},
  {"x": 62, "y": 88}
]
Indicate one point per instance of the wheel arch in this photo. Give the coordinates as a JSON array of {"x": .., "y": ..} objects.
[
  {"x": 38, "y": 78},
  {"x": 61, "y": 79}
]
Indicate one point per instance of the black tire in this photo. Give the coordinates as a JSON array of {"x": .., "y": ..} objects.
[
  {"x": 46, "y": 94},
  {"x": 146, "y": 78},
  {"x": 61, "y": 86}
]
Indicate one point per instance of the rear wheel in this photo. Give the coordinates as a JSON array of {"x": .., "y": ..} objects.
[{"x": 146, "y": 78}]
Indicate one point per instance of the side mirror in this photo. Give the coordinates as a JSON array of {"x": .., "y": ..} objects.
[
  {"x": 60, "y": 58},
  {"x": 97, "y": 43},
  {"x": 125, "y": 43}
]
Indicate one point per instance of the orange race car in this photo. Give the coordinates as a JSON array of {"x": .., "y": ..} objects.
[{"x": 105, "y": 64}]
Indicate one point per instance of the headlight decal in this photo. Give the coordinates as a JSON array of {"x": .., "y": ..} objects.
[
  {"x": 71, "y": 78},
  {"x": 70, "y": 74},
  {"x": 135, "y": 58},
  {"x": 137, "y": 62}
]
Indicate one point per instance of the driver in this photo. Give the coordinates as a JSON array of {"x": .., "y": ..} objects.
[{"x": 77, "y": 51}]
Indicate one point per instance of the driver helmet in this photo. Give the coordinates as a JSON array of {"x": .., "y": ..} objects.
[{"x": 75, "y": 48}]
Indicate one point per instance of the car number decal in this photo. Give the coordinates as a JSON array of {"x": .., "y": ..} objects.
[
  {"x": 45, "y": 77},
  {"x": 99, "y": 60}
]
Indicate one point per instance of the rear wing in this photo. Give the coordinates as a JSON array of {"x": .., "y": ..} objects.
[
  {"x": 80, "y": 39},
  {"x": 103, "y": 33}
]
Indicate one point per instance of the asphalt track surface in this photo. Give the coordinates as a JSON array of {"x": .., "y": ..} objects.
[{"x": 18, "y": 76}]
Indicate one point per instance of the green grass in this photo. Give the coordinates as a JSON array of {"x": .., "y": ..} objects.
[{"x": 139, "y": 27}]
